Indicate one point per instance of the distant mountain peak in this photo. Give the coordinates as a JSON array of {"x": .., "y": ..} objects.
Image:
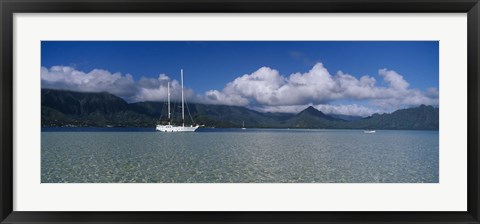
[{"x": 312, "y": 111}]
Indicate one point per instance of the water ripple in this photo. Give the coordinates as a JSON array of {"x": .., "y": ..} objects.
[{"x": 347, "y": 156}]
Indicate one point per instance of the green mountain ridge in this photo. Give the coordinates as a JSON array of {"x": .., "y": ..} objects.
[{"x": 61, "y": 108}]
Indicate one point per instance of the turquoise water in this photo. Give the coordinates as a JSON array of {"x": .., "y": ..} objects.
[{"x": 239, "y": 156}]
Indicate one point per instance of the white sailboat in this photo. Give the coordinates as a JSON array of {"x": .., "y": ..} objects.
[
  {"x": 243, "y": 125},
  {"x": 176, "y": 128}
]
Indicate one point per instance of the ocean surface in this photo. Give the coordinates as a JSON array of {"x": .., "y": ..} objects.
[{"x": 141, "y": 155}]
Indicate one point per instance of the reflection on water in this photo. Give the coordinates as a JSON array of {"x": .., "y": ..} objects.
[{"x": 249, "y": 156}]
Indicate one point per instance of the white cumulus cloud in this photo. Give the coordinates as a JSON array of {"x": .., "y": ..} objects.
[
  {"x": 97, "y": 80},
  {"x": 267, "y": 90},
  {"x": 264, "y": 90}
]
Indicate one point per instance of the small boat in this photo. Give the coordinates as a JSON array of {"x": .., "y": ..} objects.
[
  {"x": 369, "y": 131},
  {"x": 243, "y": 125}
]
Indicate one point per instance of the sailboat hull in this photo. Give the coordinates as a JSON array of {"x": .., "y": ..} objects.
[{"x": 175, "y": 128}]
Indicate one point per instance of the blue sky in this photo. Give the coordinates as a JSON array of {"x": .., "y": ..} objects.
[{"x": 132, "y": 70}]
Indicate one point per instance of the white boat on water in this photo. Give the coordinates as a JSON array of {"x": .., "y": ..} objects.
[
  {"x": 171, "y": 127},
  {"x": 176, "y": 128},
  {"x": 369, "y": 131},
  {"x": 243, "y": 125}
]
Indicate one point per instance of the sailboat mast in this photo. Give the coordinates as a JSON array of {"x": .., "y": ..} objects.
[
  {"x": 168, "y": 96},
  {"x": 183, "y": 111}
]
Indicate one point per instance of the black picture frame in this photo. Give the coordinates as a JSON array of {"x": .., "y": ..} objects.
[{"x": 9, "y": 7}]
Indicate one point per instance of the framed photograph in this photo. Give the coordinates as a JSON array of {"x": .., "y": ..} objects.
[{"x": 245, "y": 112}]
